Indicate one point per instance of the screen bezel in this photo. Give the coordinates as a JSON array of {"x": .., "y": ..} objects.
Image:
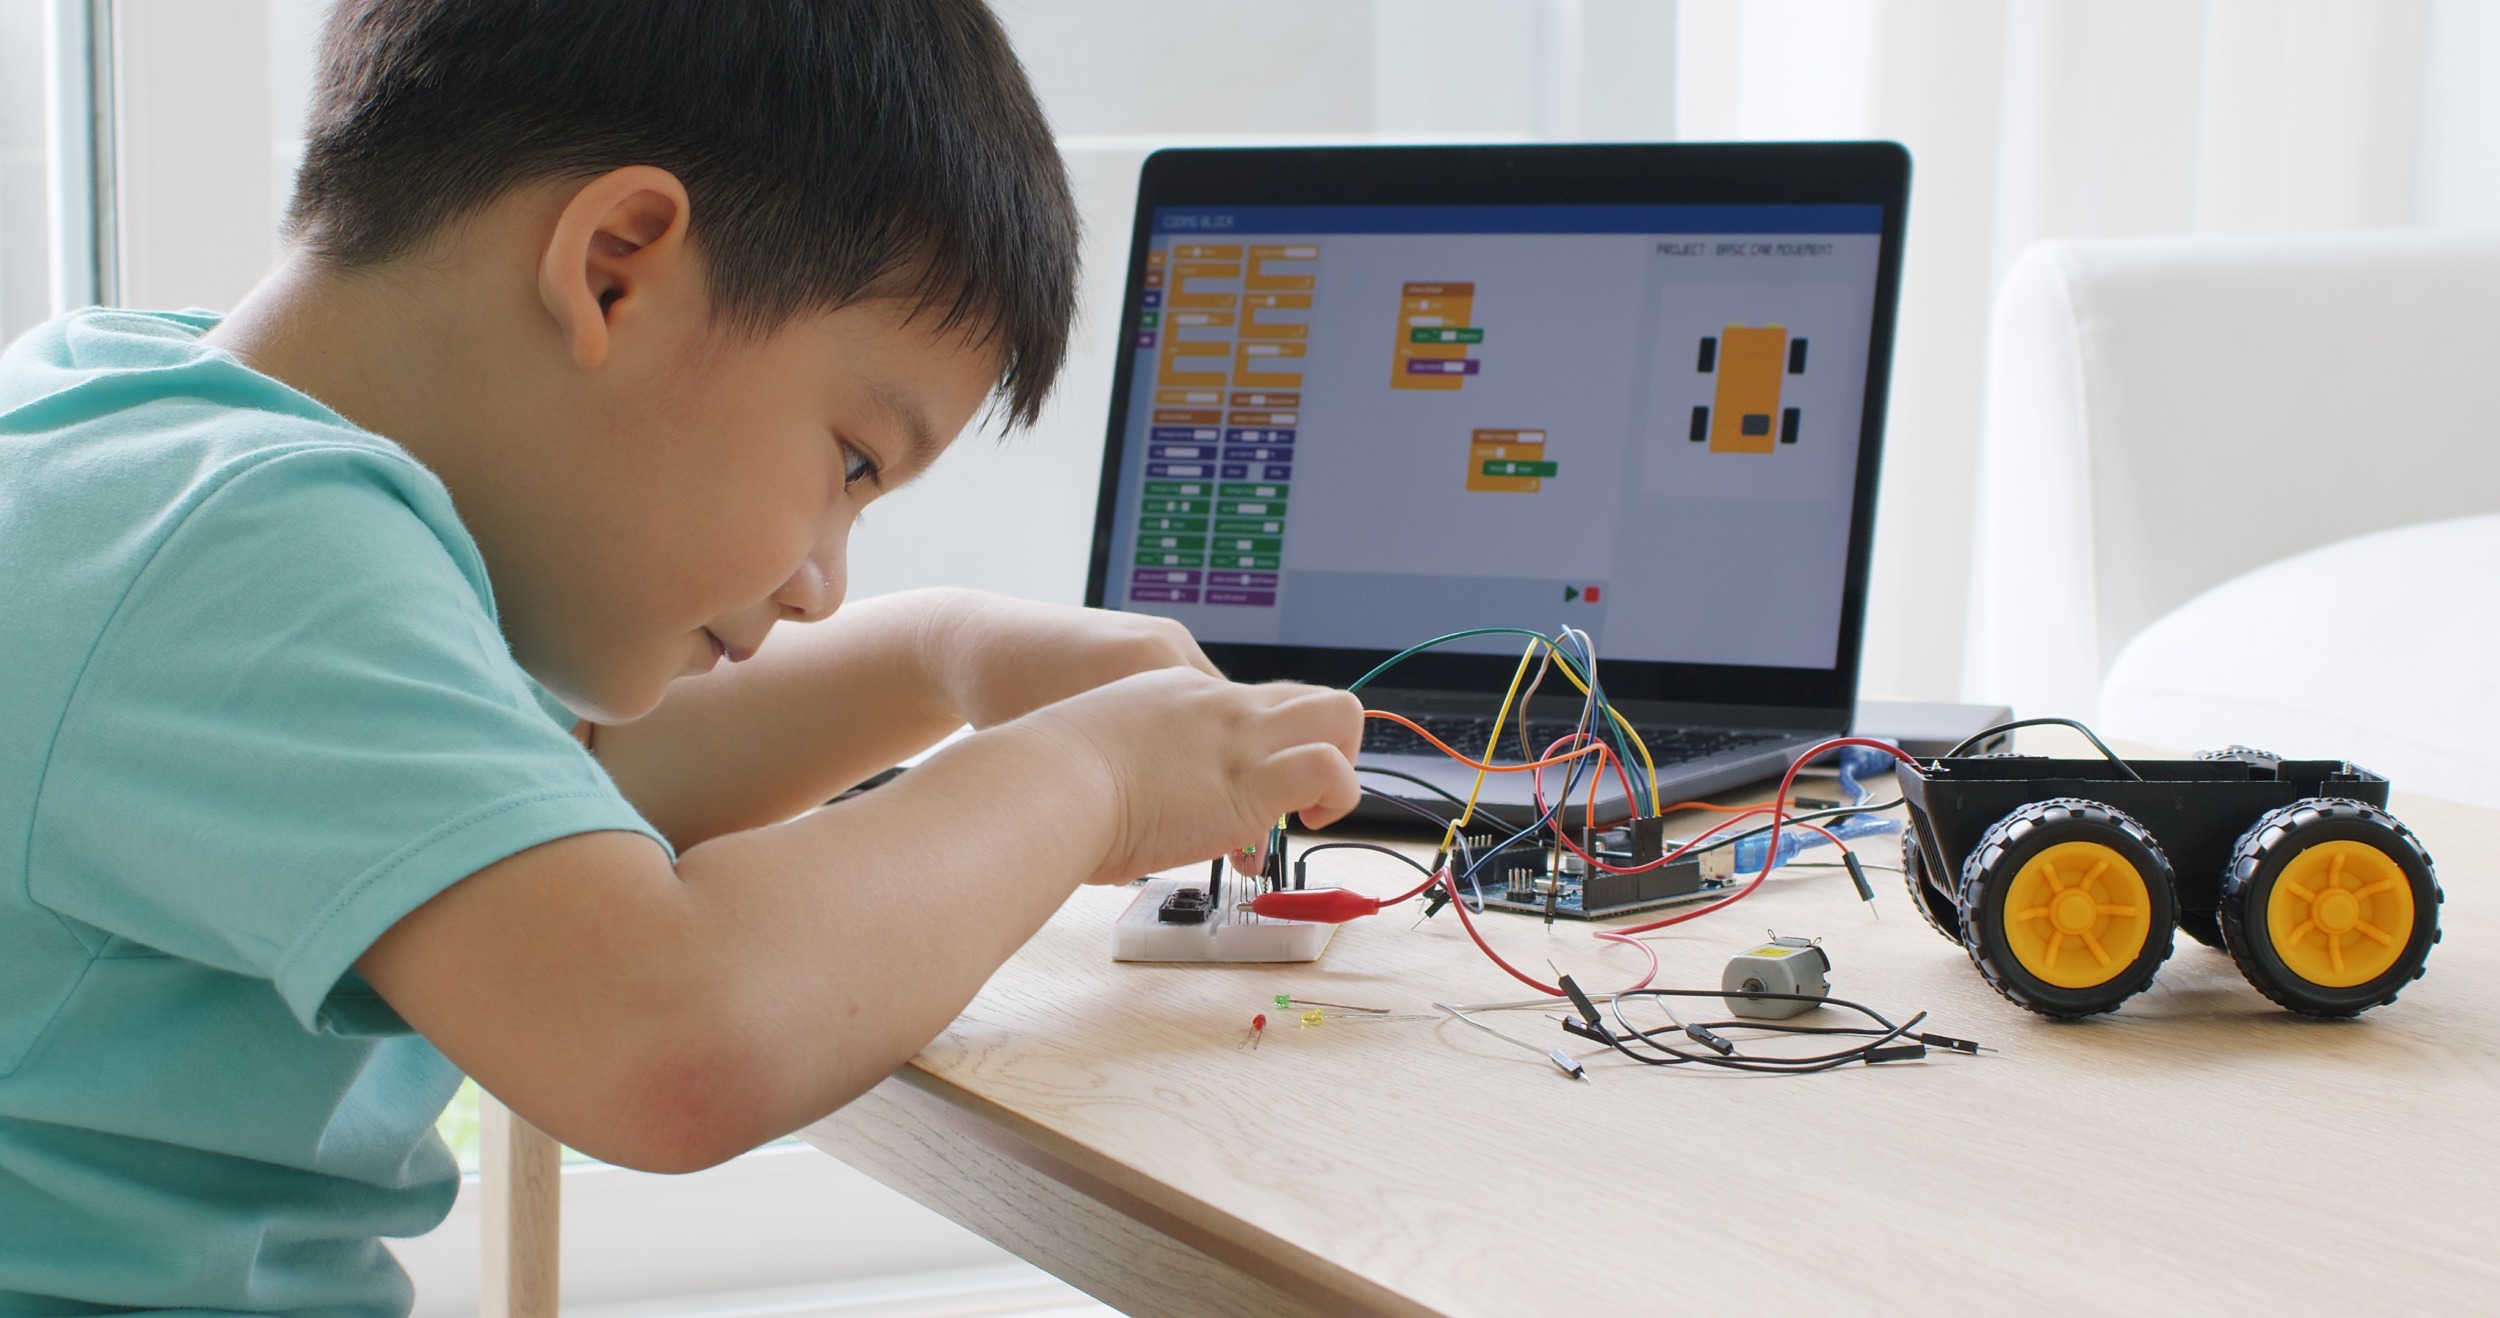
[{"x": 1635, "y": 174}]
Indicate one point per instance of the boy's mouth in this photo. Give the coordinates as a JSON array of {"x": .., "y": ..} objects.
[{"x": 721, "y": 649}]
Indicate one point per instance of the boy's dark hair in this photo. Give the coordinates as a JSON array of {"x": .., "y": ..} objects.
[{"x": 831, "y": 149}]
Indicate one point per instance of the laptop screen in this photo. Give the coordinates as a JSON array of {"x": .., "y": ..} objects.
[
  {"x": 1372, "y": 395},
  {"x": 1356, "y": 426}
]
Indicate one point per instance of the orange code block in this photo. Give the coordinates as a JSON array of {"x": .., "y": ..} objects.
[
  {"x": 1441, "y": 310},
  {"x": 1504, "y": 446}
]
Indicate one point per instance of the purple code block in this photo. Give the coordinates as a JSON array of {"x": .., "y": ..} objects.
[
  {"x": 1178, "y": 470},
  {"x": 1257, "y": 599},
  {"x": 1249, "y": 580},
  {"x": 1255, "y": 453},
  {"x": 1441, "y": 365},
  {"x": 1183, "y": 452},
  {"x": 1164, "y": 594},
  {"x": 1274, "y": 471},
  {"x": 1145, "y": 339},
  {"x": 1164, "y": 576},
  {"x": 1183, "y": 434},
  {"x": 1235, "y": 471},
  {"x": 1154, "y": 297},
  {"x": 1256, "y": 435}
]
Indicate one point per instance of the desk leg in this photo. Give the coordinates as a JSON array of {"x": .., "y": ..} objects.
[
  {"x": 1099, "y": 1238},
  {"x": 522, "y": 1176}
]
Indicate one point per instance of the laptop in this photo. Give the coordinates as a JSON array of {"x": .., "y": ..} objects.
[{"x": 1373, "y": 395}]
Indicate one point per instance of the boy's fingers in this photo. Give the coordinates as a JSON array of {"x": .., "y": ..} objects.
[
  {"x": 1197, "y": 658},
  {"x": 1313, "y": 779},
  {"x": 1184, "y": 647},
  {"x": 1333, "y": 718}
]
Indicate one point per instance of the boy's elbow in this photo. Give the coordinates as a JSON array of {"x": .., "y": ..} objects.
[{"x": 687, "y": 1108}]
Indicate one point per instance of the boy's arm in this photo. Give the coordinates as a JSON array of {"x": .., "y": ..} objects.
[
  {"x": 822, "y": 706},
  {"x": 668, "y": 1018}
]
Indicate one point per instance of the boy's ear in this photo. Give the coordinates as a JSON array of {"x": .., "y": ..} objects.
[{"x": 621, "y": 236}]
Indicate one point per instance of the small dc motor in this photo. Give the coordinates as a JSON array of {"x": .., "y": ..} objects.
[{"x": 1782, "y": 965}]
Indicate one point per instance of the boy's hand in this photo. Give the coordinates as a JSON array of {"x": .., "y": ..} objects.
[
  {"x": 999, "y": 659},
  {"x": 1196, "y": 766}
]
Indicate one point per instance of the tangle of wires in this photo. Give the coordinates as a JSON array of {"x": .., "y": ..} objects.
[
  {"x": 1601, "y": 742},
  {"x": 1721, "y": 1043}
]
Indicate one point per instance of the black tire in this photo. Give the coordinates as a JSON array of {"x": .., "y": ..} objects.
[
  {"x": 2276, "y": 840},
  {"x": 2007, "y": 847},
  {"x": 2203, "y": 926},
  {"x": 1933, "y": 905},
  {"x": 2266, "y": 760}
]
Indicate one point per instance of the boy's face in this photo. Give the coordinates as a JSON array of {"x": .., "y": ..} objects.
[{"x": 700, "y": 487}]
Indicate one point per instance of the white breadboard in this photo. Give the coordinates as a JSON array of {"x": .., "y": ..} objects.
[{"x": 1227, "y": 935}]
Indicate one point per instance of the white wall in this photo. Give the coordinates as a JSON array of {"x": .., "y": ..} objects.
[
  {"x": 196, "y": 174},
  {"x": 2027, "y": 118},
  {"x": 2456, "y": 179}
]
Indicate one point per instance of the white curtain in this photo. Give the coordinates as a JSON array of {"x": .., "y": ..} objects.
[{"x": 2031, "y": 119}]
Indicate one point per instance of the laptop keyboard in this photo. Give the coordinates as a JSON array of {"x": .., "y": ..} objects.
[{"x": 1667, "y": 745}]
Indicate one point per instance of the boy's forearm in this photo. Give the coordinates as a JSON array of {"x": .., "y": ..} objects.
[
  {"x": 774, "y": 975},
  {"x": 816, "y": 710},
  {"x": 875, "y": 923}
]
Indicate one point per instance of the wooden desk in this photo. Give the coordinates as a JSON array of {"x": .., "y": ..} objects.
[{"x": 2200, "y": 1149}]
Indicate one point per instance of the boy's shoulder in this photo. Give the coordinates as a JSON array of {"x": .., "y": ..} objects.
[
  {"x": 106, "y": 410},
  {"x": 167, "y": 506},
  {"x": 124, "y": 436}
]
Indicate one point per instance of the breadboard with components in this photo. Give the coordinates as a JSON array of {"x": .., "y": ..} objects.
[{"x": 1146, "y": 931}]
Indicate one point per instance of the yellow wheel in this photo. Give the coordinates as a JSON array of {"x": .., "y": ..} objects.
[
  {"x": 2077, "y": 914},
  {"x": 2330, "y": 907},
  {"x": 2335, "y": 896},
  {"x": 2067, "y": 906}
]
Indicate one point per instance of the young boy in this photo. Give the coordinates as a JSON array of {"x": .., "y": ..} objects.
[{"x": 389, "y": 692}]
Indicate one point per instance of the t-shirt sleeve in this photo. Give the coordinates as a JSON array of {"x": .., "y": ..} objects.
[{"x": 300, "y": 724}]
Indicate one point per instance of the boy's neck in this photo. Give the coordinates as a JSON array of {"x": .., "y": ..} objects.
[{"x": 357, "y": 342}]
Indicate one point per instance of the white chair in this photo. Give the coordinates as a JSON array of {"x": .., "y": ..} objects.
[
  {"x": 2166, "y": 415},
  {"x": 2377, "y": 650}
]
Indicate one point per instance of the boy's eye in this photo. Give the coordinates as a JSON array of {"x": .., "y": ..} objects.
[{"x": 857, "y": 467}]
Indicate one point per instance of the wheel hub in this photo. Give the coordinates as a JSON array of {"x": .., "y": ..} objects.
[
  {"x": 2336, "y": 911},
  {"x": 2340, "y": 913},
  {"x": 2073, "y": 911},
  {"x": 2077, "y": 914}
]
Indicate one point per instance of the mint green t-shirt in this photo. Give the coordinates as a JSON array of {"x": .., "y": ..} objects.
[{"x": 256, "y": 707}]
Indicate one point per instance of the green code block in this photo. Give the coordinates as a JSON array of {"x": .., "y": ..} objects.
[
  {"x": 1162, "y": 558},
  {"x": 1153, "y": 319},
  {"x": 1249, "y": 508},
  {"x": 1248, "y": 544},
  {"x": 1245, "y": 562},
  {"x": 1153, "y": 524},
  {"x": 1509, "y": 467},
  {"x": 1175, "y": 507},
  {"x": 1445, "y": 334},
  {"x": 1259, "y": 490},
  {"x": 1184, "y": 543},
  {"x": 1177, "y": 490},
  {"x": 1249, "y": 526}
]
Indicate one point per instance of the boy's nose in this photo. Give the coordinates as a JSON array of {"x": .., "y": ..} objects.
[{"x": 814, "y": 591}]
